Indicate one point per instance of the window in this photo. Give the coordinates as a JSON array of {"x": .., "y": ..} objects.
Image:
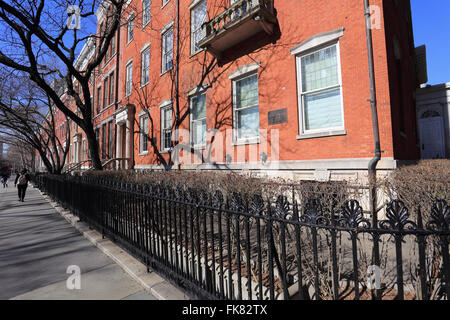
[
  {"x": 320, "y": 91},
  {"x": 84, "y": 150},
  {"x": 111, "y": 88},
  {"x": 143, "y": 122},
  {"x": 110, "y": 140},
  {"x": 145, "y": 12},
  {"x": 246, "y": 107},
  {"x": 198, "y": 120},
  {"x": 166, "y": 127},
  {"x": 198, "y": 17},
  {"x": 129, "y": 79},
  {"x": 164, "y": 2},
  {"x": 167, "y": 50},
  {"x": 105, "y": 92},
  {"x": 113, "y": 46},
  {"x": 130, "y": 26},
  {"x": 99, "y": 99},
  {"x": 104, "y": 141},
  {"x": 145, "y": 66}
]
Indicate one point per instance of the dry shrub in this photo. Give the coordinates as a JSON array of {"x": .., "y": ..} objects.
[
  {"x": 227, "y": 183},
  {"x": 420, "y": 184}
]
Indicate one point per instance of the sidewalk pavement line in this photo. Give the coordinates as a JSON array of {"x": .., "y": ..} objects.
[{"x": 153, "y": 283}]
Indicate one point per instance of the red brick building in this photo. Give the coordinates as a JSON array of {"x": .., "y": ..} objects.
[{"x": 296, "y": 69}]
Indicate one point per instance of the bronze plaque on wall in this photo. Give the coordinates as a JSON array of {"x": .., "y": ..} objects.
[{"x": 278, "y": 116}]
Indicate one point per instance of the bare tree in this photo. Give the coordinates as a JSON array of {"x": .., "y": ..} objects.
[
  {"x": 34, "y": 33},
  {"x": 27, "y": 118}
]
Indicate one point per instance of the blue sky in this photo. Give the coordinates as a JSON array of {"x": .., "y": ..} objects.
[{"x": 431, "y": 23}]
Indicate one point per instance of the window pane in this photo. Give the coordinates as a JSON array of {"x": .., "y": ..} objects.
[
  {"x": 199, "y": 132},
  {"x": 247, "y": 92},
  {"x": 323, "y": 110},
  {"x": 167, "y": 118},
  {"x": 198, "y": 17},
  {"x": 248, "y": 123},
  {"x": 145, "y": 63},
  {"x": 199, "y": 107},
  {"x": 320, "y": 69},
  {"x": 146, "y": 13},
  {"x": 167, "y": 50}
]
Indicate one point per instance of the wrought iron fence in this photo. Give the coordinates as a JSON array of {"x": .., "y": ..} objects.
[{"x": 218, "y": 246}]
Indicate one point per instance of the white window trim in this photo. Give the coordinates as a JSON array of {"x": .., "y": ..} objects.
[
  {"x": 129, "y": 62},
  {"x": 163, "y": 33},
  {"x": 244, "y": 70},
  {"x": 317, "y": 41},
  {"x": 144, "y": 48},
  {"x": 236, "y": 140},
  {"x": 131, "y": 17},
  {"x": 167, "y": 104},
  {"x": 144, "y": 24},
  {"x": 141, "y": 135},
  {"x": 164, "y": 3},
  {"x": 191, "y": 132},
  {"x": 192, "y": 7},
  {"x": 322, "y": 132}
]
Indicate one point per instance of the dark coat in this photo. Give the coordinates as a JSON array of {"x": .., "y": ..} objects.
[{"x": 26, "y": 176}]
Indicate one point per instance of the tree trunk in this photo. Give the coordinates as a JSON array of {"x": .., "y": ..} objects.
[{"x": 93, "y": 147}]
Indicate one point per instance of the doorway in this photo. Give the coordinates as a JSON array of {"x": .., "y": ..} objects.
[{"x": 432, "y": 144}]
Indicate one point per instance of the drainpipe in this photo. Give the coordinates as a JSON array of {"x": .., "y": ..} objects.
[
  {"x": 373, "y": 100},
  {"x": 376, "y": 135},
  {"x": 177, "y": 74}
]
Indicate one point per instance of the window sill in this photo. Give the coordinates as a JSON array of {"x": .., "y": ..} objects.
[
  {"x": 323, "y": 134},
  {"x": 199, "y": 147},
  {"x": 146, "y": 24},
  {"x": 246, "y": 142},
  {"x": 143, "y": 153},
  {"x": 164, "y": 151},
  {"x": 164, "y": 5},
  {"x": 109, "y": 59},
  {"x": 196, "y": 53},
  {"x": 163, "y": 73}
]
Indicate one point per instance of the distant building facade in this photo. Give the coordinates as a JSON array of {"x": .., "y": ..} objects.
[{"x": 433, "y": 109}]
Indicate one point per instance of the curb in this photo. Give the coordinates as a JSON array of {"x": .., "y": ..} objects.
[{"x": 153, "y": 283}]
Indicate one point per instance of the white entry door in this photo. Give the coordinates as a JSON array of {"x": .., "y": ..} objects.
[{"x": 432, "y": 138}]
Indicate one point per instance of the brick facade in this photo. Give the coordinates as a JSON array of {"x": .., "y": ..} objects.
[{"x": 299, "y": 23}]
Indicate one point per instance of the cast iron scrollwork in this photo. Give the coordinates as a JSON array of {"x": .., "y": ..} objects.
[
  {"x": 397, "y": 217},
  {"x": 257, "y": 205},
  {"x": 203, "y": 197},
  {"x": 352, "y": 216},
  {"x": 439, "y": 217},
  {"x": 313, "y": 213},
  {"x": 236, "y": 202},
  {"x": 191, "y": 196},
  {"x": 218, "y": 199},
  {"x": 282, "y": 208}
]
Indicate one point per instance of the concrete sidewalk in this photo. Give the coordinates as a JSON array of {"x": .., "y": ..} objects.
[{"x": 37, "y": 245}]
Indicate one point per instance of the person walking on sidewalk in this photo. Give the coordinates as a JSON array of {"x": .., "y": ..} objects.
[
  {"x": 22, "y": 183},
  {"x": 5, "y": 180}
]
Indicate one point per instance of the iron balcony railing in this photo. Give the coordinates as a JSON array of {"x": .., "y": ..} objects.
[
  {"x": 219, "y": 246},
  {"x": 233, "y": 15}
]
